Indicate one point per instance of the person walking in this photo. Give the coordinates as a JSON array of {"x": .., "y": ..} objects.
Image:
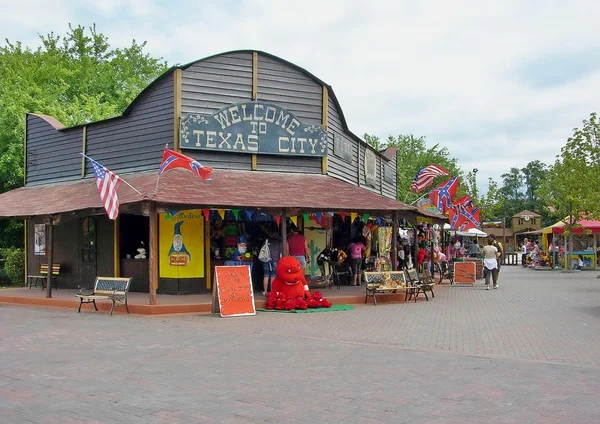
[
  {"x": 490, "y": 263},
  {"x": 500, "y": 256},
  {"x": 298, "y": 248},
  {"x": 357, "y": 249}
]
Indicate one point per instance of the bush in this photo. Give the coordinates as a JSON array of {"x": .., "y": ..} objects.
[{"x": 15, "y": 266}]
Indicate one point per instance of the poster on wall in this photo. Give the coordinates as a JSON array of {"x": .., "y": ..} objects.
[
  {"x": 370, "y": 167},
  {"x": 39, "y": 240},
  {"x": 316, "y": 239},
  {"x": 181, "y": 244}
]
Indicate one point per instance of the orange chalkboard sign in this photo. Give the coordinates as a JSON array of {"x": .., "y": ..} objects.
[
  {"x": 234, "y": 290},
  {"x": 464, "y": 272}
]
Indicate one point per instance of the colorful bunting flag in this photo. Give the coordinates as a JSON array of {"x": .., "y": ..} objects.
[
  {"x": 294, "y": 220},
  {"x": 277, "y": 219},
  {"x": 235, "y": 213},
  {"x": 206, "y": 213},
  {"x": 365, "y": 217},
  {"x": 353, "y": 216},
  {"x": 249, "y": 215},
  {"x": 221, "y": 213}
]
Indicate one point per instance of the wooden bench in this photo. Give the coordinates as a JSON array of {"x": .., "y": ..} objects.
[
  {"x": 424, "y": 284},
  {"x": 375, "y": 284},
  {"x": 114, "y": 289},
  {"x": 34, "y": 280}
]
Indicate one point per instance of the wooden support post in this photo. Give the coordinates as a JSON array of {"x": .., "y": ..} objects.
[
  {"x": 50, "y": 250},
  {"x": 176, "y": 108},
  {"x": 153, "y": 262},
  {"x": 394, "y": 251},
  {"x": 596, "y": 250},
  {"x": 286, "y": 251},
  {"x": 25, "y": 251},
  {"x": 116, "y": 254},
  {"x": 207, "y": 266}
]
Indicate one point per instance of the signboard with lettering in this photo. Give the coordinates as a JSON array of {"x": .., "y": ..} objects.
[
  {"x": 234, "y": 290},
  {"x": 253, "y": 127},
  {"x": 464, "y": 272},
  {"x": 342, "y": 147},
  {"x": 388, "y": 174},
  {"x": 370, "y": 167}
]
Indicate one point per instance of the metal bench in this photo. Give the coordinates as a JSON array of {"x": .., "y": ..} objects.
[
  {"x": 423, "y": 285},
  {"x": 114, "y": 289},
  {"x": 376, "y": 284},
  {"x": 34, "y": 280}
]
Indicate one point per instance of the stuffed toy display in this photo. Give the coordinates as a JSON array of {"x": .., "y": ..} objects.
[
  {"x": 290, "y": 278},
  {"x": 280, "y": 301},
  {"x": 290, "y": 290}
]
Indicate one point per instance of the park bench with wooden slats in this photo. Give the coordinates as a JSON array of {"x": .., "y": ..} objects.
[
  {"x": 114, "y": 289},
  {"x": 42, "y": 278},
  {"x": 375, "y": 284}
]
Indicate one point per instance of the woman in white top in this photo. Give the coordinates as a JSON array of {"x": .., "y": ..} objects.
[{"x": 490, "y": 264}]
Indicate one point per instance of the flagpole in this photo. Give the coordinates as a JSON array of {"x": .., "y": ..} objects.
[
  {"x": 419, "y": 198},
  {"x": 134, "y": 189},
  {"x": 158, "y": 176}
]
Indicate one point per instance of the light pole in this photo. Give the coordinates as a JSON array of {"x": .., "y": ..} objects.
[{"x": 475, "y": 171}]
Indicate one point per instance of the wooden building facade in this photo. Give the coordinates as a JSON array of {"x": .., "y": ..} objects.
[{"x": 274, "y": 97}]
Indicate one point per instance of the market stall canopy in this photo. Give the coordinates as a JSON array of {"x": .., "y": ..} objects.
[
  {"x": 583, "y": 225},
  {"x": 228, "y": 188},
  {"x": 476, "y": 232}
]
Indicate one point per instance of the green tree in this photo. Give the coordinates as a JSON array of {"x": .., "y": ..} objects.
[
  {"x": 492, "y": 203},
  {"x": 413, "y": 155},
  {"x": 571, "y": 186},
  {"x": 76, "y": 78}
]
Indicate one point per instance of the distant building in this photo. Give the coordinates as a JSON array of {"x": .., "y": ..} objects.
[{"x": 523, "y": 224}]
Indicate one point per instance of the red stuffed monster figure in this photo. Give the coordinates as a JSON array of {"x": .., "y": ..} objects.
[{"x": 290, "y": 278}]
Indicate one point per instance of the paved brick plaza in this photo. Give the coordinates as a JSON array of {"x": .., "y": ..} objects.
[{"x": 528, "y": 352}]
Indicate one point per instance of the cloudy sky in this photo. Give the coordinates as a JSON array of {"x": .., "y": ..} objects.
[{"x": 498, "y": 83}]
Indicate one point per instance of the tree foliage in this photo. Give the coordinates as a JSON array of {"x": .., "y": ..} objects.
[
  {"x": 77, "y": 78},
  {"x": 413, "y": 155}
]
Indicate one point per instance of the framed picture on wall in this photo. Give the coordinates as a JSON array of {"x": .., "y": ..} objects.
[{"x": 39, "y": 240}]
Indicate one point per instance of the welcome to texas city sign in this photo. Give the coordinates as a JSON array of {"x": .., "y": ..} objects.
[{"x": 253, "y": 127}]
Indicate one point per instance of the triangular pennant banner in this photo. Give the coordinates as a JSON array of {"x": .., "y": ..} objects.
[
  {"x": 277, "y": 220},
  {"x": 294, "y": 220},
  {"x": 379, "y": 220},
  {"x": 353, "y": 216},
  {"x": 305, "y": 217},
  {"x": 249, "y": 214},
  {"x": 206, "y": 213},
  {"x": 221, "y": 213},
  {"x": 330, "y": 213},
  {"x": 365, "y": 217},
  {"x": 318, "y": 215},
  {"x": 235, "y": 213},
  {"x": 343, "y": 215}
]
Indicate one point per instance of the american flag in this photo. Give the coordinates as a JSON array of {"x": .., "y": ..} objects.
[
  {"x": 107, "y": 183},
  {"x": 425, "y": 176}
]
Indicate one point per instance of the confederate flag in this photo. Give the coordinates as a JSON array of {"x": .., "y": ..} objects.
[
  {"x": 172, "y": 159},
  {"x": 442, "y": 196}
]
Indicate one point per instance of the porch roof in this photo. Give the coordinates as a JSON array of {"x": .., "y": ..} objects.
[{"x": 228, "y": 189}]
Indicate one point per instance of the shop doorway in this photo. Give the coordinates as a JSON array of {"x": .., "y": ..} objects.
[
  {"x": 134, "y": 234},
  {"x": 89, "y": 259}
]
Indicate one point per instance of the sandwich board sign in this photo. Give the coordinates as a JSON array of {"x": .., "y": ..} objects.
[
  {"x": 233, "y": 287},
  {"x": 464, "y": 272}
]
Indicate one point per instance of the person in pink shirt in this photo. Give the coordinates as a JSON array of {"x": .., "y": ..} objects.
[{"x": 357, "y": 249}]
